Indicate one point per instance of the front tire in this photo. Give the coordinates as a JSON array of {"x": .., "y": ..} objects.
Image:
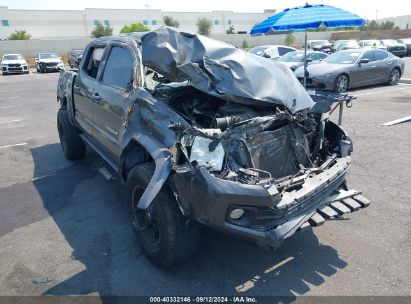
[
  {"x": 71, "y": 143},
  {"x": 341, "y": 83},
  {"x": 164, "y": 233},
  {"x": 395, "y": 76}
]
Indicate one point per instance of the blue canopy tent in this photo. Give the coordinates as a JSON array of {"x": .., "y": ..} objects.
[{"x": 309, "y": 16}]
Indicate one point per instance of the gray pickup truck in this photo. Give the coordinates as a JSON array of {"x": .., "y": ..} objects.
[{"x": 204, "y": 133}]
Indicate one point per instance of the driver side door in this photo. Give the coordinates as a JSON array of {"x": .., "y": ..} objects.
[{"x": 114, "y": 95}]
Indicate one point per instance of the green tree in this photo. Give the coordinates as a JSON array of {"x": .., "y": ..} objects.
[
  {"x": 204, "y": 26},
  {"x": 387, "y": 25},
  {"x": 373, "y": 25},
  {"x": 134, "y": 27},
  {"x": 245, "y": 44},
  {"x": 101, "y": 31},
  {"x": 19, "y": 35},
  {"x": 170, "y": 21},
  {"x": 289, "y": 39},
  {"x": 230, "y": 30}
]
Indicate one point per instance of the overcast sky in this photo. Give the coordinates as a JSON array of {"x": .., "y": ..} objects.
[{"x": 365, "y": 8}]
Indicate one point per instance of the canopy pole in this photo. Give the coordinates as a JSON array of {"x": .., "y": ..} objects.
[{"x": 305, "y": 59}]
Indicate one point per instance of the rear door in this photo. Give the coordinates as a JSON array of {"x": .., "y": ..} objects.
[
  {"x": 84, "y": 87},
  {"x": 383, "y": 65},
  {"x": 114, "y": 93}
]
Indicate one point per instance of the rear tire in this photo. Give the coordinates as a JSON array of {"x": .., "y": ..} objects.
[
  {"x": 395, "y": 76},
  {"x": 73, "y": 146},
  {"x": 341, "y": 83},
  {"x": 164, "y": 233}
]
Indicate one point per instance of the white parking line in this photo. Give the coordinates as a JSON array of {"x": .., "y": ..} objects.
[
  {"x": 383, "y": 91},
  {"x": 10, "y": 121},
  {"x": 11, "y": 146},
  {"x": 8, "y": 107}
]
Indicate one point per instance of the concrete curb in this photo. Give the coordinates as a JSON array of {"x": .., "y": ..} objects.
[{"x": 405, "y": 80}]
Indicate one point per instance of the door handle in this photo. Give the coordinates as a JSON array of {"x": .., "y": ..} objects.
[
  {"x": 96, "y": 96},
  {"x": 373, "y": 66}
]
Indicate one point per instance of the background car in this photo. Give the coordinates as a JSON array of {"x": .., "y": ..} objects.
[
  {"x": 394, "y": 47},
  {"x": 48, "y": 62},
  {"x": 319, "y": 45},
  {"x": 296, "y": 59},
  {"x": 372, "y": 44},
  {"x": 14, "y": 64},
  {"x": 271, "y": 51},
  {"x": 340, "y": 45},
  {"x": 407, "y": 43},
  {"x": 74, "y": 57},
  {"x": 353, "y": 68}
]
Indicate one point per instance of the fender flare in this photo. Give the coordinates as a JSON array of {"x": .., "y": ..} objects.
[{"x": 162, "y": 158}]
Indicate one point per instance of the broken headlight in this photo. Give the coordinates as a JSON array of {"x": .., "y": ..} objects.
[{"x": 208, "y": 153}]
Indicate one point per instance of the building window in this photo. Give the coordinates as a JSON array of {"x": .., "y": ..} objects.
[
  {"x": 107, "y": 22},
  {"x": 154, "y": 22},
  {"x": 145, "y": 22},
  {"x": 5, "y": 22},
  {"x": 229, "y": 22},
  {"x": 96, "y": 22},
  {"x": 216, "y": 22}
]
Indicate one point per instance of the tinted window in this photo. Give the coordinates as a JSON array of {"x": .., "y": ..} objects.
[
  {"x": 119, "y": 68},
  {"x": 283, "y": 50},
  {"x": 13, "y": 57},
  {"x": 380, "y": 55},
  {"x": 292, "y": 57},
  {"x": 369, "y": 56}
]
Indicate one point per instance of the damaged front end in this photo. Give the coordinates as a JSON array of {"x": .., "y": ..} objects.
[
  {"x": 258, "y": 158},
  {"x": 260, "y": 176}
]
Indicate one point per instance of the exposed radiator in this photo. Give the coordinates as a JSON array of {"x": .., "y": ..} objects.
[{"x": 272, "y": 151}]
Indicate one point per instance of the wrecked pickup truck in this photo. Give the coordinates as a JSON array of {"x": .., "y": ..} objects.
[{"x": 205, "y": 134}]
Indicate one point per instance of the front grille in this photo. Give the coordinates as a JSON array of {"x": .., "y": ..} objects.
[
  {"x": 52, "y": 64},
  {"x": 271, "y": 151},
  {"x": 14, "y": 65},
  {"x": 15, "y": 69}
]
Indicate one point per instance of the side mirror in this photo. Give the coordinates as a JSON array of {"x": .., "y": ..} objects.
[
  {"x": 37, "y": 58},
  {"x": 265, "y": 55},
  {"x": 364, "y": 60},
  {"x": 309, "y": 60}
]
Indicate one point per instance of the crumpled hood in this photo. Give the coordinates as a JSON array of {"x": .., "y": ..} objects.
[
  {"x": 319, "y": 69},
  {"x": 21, "y": 61},
  {"x": 221, "y": 70}
]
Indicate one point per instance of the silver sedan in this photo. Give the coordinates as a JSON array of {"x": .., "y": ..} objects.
[{"x": 353, "y": 68}]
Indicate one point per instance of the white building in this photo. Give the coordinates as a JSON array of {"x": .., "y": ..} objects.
[
  {"x": 403, "y": 22},
  {"x": 79, "y": 23}
]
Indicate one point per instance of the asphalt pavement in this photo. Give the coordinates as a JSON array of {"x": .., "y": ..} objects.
[{"x": 65, "y": 230}]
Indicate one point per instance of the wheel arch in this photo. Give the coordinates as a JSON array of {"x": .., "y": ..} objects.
[{"x": 152, "y": 150}]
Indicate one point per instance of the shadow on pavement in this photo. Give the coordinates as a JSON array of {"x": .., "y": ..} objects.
[{"x": 92, "y": 215}]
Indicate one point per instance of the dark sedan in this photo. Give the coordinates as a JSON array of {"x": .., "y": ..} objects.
[
  {"x": 395, "y": 47},
  {"x": 407, "y": 43},
  {"x": 353, "y": 68},
  {"x": 296, "y": 59}
]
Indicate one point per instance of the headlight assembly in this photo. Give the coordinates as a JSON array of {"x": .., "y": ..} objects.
[{"x": 208, "y": 153}]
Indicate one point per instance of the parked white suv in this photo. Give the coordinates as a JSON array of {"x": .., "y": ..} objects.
[
  {"x": 48, "y": 62},
  {"x": 14, "y": 64}
]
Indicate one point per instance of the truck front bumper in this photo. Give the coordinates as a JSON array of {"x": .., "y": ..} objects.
[{"x": 268, "y": 216}]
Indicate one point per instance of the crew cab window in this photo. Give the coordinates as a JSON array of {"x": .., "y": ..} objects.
[
  {"x": 93, "y": 61},
  {"x": 118, "y": 71},
  {"x": 380, "y": 55},
  {"x": 368, "y": 55}
]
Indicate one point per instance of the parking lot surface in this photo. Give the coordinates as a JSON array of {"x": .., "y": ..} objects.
[{"x": 66, "y": 228}]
